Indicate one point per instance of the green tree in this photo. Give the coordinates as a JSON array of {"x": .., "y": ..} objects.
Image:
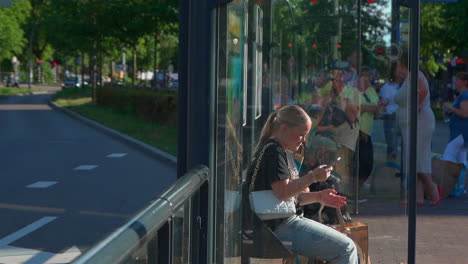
[
  {"x": 12, "y": 36},
  {"x": 443, "y": 33}
]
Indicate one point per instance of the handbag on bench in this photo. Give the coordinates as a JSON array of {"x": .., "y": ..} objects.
[{"x": 264, "y": 203}]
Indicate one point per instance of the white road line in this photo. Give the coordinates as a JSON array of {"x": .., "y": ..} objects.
[
  {"x": 26, "y": 230},
  {"x": 16, "y": 255},
  {"x": 86, "y": 167},
  {"x": 116, "y": 155},
  {"x": 41, "y": 184}
]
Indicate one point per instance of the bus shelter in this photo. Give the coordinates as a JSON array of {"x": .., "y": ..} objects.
[{"x": 242, "y": 59}]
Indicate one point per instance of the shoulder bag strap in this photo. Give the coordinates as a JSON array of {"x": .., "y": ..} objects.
[{"x": 257, "y": 166}]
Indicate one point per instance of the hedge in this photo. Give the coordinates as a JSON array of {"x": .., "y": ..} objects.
[{"x": 147, "y": 104}]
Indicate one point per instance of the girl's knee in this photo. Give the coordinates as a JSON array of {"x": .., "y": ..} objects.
[{"x": 350, "y": 254}]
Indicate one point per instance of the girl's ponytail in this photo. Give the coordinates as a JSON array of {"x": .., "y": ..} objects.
[{"x": 267, "y": 130}]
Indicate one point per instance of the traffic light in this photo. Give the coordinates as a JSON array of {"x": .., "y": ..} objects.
[
  {"x": 39, "y": 61},
  {"x": 314, "y": 45},
  {"x": 53, "y": 63}
]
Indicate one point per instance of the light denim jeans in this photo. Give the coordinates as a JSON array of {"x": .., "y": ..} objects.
[{"x": 312, "y": 239}]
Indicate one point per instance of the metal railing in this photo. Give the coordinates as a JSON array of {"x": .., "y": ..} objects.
[{"x": 136, "y": 241}]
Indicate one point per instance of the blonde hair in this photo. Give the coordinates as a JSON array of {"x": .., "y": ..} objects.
[{"x": 290, "y": 115}]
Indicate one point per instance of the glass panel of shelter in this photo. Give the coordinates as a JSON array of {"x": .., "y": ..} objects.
[
  {"x": 231, "y": 118},
  {"x": 317, "y": 54}
]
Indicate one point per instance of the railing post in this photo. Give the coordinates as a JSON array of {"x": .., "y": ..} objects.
[{"x": 163, "y": 247}]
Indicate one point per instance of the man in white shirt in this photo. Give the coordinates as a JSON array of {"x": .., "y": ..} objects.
[{"x": 386, "y": 94}]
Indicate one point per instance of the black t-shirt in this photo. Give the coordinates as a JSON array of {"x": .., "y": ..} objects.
[{"x": 273, "y": 167}]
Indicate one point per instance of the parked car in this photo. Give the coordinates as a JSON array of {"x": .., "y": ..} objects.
[
  {"x": 12, "y": 82},
  {"x": 71, "y": 82}
]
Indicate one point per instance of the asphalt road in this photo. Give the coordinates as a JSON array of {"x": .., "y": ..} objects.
[{"x": 61, "y": 192}]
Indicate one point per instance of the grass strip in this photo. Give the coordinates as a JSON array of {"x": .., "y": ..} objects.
[
  {"x": 14, "y": 91},
  {"x": 163, "y": 137}
]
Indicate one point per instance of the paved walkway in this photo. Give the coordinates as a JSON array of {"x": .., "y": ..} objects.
[{"x": 442, "y": 232}]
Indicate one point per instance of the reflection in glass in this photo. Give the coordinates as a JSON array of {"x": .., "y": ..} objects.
[
  {"x": 180, "y": 235},
  {"x": 337, "y": 60},
  {"x": 232, "y": 116}
]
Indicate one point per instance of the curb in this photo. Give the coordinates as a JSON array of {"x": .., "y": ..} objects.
[{"x": 129, "y": 141}]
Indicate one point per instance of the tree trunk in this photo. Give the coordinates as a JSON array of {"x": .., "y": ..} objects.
[
  {"x": 134, "y": 67},
  {"x": 155, "y": 61},
  {"x": 99, "y": 70},
  {"x": 112, "y": 64},
  {"x": 93, "y": 70},
  {"x": 82, "y": 69}
]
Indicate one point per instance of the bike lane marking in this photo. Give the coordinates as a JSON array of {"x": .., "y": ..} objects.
[
  {"x": 10, "y": 254},
  {"x": 26, "y": 230}
]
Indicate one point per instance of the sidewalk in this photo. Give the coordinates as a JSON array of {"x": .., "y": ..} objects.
[{"x": 441, "y": 232}]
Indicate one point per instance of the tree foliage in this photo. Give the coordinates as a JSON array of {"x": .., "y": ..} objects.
[
  {"x": 443, "y": 33},
  {"x": 12, "y": 35},
  {"x": 100, "y": 31}
]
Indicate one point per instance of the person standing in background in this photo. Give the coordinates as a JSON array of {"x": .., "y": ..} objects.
[
  {"x": 386, "y": 94},
  {"x": 426, "y": 126},
  {"x": 456, "y": 149},
  {"x": 369, "y": 100}
]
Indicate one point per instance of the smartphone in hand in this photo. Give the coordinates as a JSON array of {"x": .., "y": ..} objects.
[{"x": 333, "y": 162}]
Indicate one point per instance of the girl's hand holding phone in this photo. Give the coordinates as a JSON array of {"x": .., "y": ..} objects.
[{"x": 321, "y": 173}]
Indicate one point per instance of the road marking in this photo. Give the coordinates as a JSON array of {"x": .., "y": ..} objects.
[
  {"x": 116, "y": 155},
  {"x": 124, "y": 216},
  {"x": 16, "y": 255},
  {"x": 10, "y": 107},
  {"x": 19, "y": 207},
  {"x": 86, "y": 167},
  {"x": 26, "y": 230},
  {"x": 41, "y": 184},
  {"x": 13, "y": 255}
]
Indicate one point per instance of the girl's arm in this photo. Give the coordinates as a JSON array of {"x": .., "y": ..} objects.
[
  {"x": 328, "y": 197},
  {"x": 285, "y": 189}
]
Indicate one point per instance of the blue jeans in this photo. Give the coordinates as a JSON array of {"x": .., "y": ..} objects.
[{"x": 312, "y": 239}]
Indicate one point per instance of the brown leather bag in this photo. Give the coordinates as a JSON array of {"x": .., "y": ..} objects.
[{"x": 357, "y": 231}]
